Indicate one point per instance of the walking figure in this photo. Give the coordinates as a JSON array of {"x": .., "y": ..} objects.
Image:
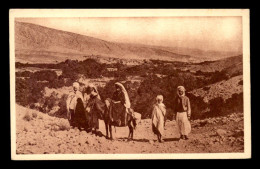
[{"x": 158, "y": 116}]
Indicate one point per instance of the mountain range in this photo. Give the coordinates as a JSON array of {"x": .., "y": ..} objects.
[{"x": 39, "y": 44}]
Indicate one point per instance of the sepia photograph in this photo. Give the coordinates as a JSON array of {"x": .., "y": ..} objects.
[{"x": 130, "y": 84}]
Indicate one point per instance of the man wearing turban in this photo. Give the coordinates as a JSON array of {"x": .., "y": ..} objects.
[
  {"x": 183, "y": 113},
  {"x": 72, "y": 103}
]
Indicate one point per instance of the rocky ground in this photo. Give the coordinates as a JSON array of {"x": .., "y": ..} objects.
[
  {"x": 38, "y": 133},
  {"x": 223, "y": 89}
]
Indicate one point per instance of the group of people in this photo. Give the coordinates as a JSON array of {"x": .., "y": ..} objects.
[
  {"x": 94, "y": 108},
  {"x": 182, "y": 110},
  {"x": 90, "y": 95},
  {"x": 86, "y": 98}
]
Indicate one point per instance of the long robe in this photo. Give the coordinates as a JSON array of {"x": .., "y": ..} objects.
[
  {"x": 158, "y": 114},
  {"x": 183, "y": 110},
  {"x": 183, "y": 124},
  {"x": 71, "y": 103},
  {"x": 80, "y": 118},
  {"x": 97, "y": 108}
]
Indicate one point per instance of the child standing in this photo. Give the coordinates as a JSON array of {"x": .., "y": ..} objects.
[{"x": 158, "y": 115}]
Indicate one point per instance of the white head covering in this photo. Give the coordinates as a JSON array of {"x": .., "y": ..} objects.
[
  {"x": 95, "y": 91},
  {"x": 181, "y": 88},
  {"x": 127, "y": 100},
  {"x": 159, "y": 98},
  {"x": 76, "y": 85}
]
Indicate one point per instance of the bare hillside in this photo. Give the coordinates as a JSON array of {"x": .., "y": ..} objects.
[
  {"x": 36, "y": 43},
  {"x": 231, "y": 64}
]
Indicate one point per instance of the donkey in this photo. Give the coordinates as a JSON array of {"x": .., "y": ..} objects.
[
  {"x": 105, "y": 112},
  {"x": 130, "y": 120}
]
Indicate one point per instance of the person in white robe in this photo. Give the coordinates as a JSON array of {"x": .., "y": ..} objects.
[
  {"x": 183, "y": 113},
  {"x": 71, "y": 102},
  {"x": 158, "y": 115}
]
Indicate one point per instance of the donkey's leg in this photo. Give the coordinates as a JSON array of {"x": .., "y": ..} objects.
[
  {"x": 106, "y": 125},
  {"x": 131, "y": 130},
  {"x": 110, "y": 131},
  {"x": 132, "y": 136},
  {"x": 132, "y": 133}
]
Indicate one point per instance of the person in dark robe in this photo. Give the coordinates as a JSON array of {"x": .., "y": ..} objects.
[
  {"x": 95, "y": 108},
  {"x": 73, "y": 98},
  {"x": 80, "y": 116}
]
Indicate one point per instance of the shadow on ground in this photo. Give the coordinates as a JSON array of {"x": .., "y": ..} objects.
[
  {"x": 171, "y": 139},
  {"x": 147, "y": 140}
]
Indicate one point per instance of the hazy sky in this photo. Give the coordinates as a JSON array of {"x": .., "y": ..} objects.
[{"x": 207, "y": 33}]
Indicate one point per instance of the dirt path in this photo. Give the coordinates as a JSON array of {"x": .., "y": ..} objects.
[{"x": 38, "y": 133}]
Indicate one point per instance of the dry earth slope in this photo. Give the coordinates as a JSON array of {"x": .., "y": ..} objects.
[
  {"x": 36, "y": 43},
  {"x": 232, "y": 65},
  {"x": 38, "y": 133}
]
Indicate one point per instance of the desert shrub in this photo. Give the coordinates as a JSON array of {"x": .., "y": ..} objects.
[
  {"x": 28, "y": 91},
  {"x": 42, "y": 75},
  {"x": 23, "y": 74},
  {"x": 32, "y": 106},
  {"x": 120, "y": 75},
  {"x": 88, "y": 67},
  {"x": 167, "y": 86},
  {"x": 199, "y": 72},
  {"x": 216, "y": 107},
  {"x": 144, "y": 105},
  {"x": 64, "y": 126},
  {"x": 49, "y": 102},
  {"x": 218, "y": 76},
  {"x": 240, "y": 82},
  {"x": 60, "y": 82},
  {"x": 234, "y": 104},
  {"x": 205, "y": 74},
  {"x": 34, "y": 114},
  {"x": 206, "y": 88},
  {"x": 197, "y": 106},
  {"x": 40, "y": 117},
  {"x": 25, "y": 129},
  {"x": 236, "y": 73},
  {"x": 27, "y": 116},
  {"x": 68, "y": 72},
  {"x": 39, "y": 65},
  {"x": 62, "y": 112},
  {"x": 55, "y": 128},
  {"x": 219, "y": 107}
]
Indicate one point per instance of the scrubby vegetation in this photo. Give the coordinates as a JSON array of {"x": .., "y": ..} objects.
[{"x": 159, "y": 77}]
